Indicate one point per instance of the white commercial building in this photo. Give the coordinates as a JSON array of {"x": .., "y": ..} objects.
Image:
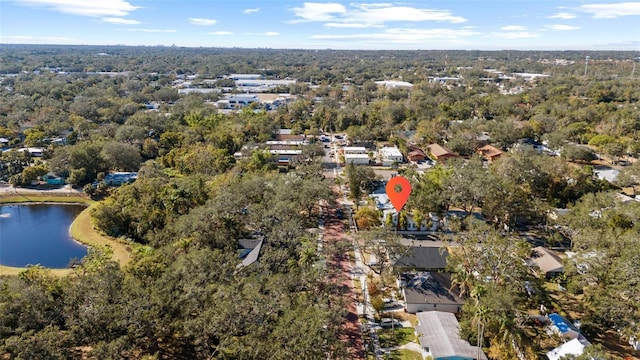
[
  {"x": 351, "y": 150},
  {"x": 391, "y": 84},
  {"x": 356, "y": 159}
]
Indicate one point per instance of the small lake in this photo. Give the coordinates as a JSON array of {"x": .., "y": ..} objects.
[{"x": 38, "y": 234}]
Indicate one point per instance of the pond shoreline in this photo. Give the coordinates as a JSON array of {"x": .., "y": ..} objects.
[{"x": 81, "y": 229}]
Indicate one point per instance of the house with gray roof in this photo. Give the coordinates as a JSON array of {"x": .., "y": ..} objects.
[
  {"x": 426, "y": 291},
  {"x": 423, "y": 256},
  {"x": 249, "y": 250},
  {"x": 438, "y": 331}
]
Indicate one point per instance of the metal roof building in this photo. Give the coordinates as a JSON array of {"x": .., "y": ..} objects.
[{"x": 438, "y": 335}]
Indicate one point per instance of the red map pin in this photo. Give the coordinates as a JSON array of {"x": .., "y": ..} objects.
[{"x": 398, "y": 190}]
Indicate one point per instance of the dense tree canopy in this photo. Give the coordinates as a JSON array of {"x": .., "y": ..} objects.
[{"x": 206, "y": 180}]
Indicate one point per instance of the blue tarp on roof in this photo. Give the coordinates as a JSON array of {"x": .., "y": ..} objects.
[{"x": 561, "y": 323}]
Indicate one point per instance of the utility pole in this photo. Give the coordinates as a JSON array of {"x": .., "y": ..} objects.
[{"x": 480, "y": 336}]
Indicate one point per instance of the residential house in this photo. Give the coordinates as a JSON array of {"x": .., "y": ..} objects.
[
  {"x": 120, "y": 178},
  {"x": 416, "y": 154},
  {"x": 444, "y": 79},
  {"x": 33, "y": 151},
  {"x": 440, "y": 153},
  {"x": 424, "y": 291},
  {"x": 4, "y": 142},
  {"x": 430, "y": 222},
  {"x": 285, "y": 137},
  {"x": 438, "y": 333},
  {"x": 59, "y": 141},
  {"x": 249, "y": 250},
  {"x": 390, "y": 156},
  {"x": 574, "y": 347},
  {"x": 422, "y": 255},
  {"x": 489, "y": 153},
  {"x": 547, "y": 261},
  {"x": 286, "y": 155}
]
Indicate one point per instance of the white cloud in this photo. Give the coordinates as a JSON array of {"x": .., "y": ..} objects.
[
  {"x": 154, "y": 30},
  {"x": 560, "y": 27},
  {"x": 513, "y": 35},
  {"x": 513, "y": 32},
  {"x": 266, "y": 33},
  {"x": 610, "y": 11},
  {"x": 369, "y": 15},
  {"x": 221, "y": 33},
  {"x": 347, "y": 25},
  {"x": 202, "y": 21},
  {"x": 563, "y": 16},
  {"x": 21, "y": 39},
  {"x": 401, "y": 35},
  {"x": 120, "y": 21},
  {"x": 318, "y": 11},
  {"x": 250, "y": 11},
  {"x": 372, "y": 6},
  {"x": 513, "y": 28},
  {"x": 117, "y": 8}
]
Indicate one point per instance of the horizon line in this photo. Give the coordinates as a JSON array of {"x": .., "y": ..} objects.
[{"x": 307, "y": 49}]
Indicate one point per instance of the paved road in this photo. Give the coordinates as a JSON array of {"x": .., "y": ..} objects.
[{"x": 334, "y": 235}]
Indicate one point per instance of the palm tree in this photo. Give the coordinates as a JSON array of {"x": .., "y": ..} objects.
[{"x": 462, "y": 278}]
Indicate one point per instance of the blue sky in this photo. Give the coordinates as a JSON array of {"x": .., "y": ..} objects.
[{"x": 437, "y": 24}]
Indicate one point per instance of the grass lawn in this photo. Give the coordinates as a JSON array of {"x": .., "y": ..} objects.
[
  {"x": 403, "y": 354},
  {"x": 44, "y": 198},
  {"x": 400, "y": 336},
  {"x": 83, "y": 231},
  {"x": 81, "y": 228}
]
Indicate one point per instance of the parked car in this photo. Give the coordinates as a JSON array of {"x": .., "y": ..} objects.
[
  {"x": 389, "y": 303},
  {"x": 387, "y": 323}
]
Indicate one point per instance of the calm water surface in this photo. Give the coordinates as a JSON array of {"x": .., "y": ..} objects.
[{"x": 38, "y": 234}]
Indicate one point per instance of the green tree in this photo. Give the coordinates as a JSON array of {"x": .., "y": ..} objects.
[
  {"x": 355, "y": 184},
  {"x": 32, "y": 173},
  {"x": 384, "y": 244},
  {"x": 120, "y": 156},
  {"x": 402, "y": 220},
  {"x": 367, "y": 218},
  {"x": 418, "y": 218}
]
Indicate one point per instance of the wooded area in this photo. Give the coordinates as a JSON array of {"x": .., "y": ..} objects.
[{"x": 206, "y": 180}]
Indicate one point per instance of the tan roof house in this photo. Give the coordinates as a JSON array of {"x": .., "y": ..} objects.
[
  {"x": 547, "y": 261},
  {"x": 440, "y": 153},
  {"x": 489, "y": 152}
]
